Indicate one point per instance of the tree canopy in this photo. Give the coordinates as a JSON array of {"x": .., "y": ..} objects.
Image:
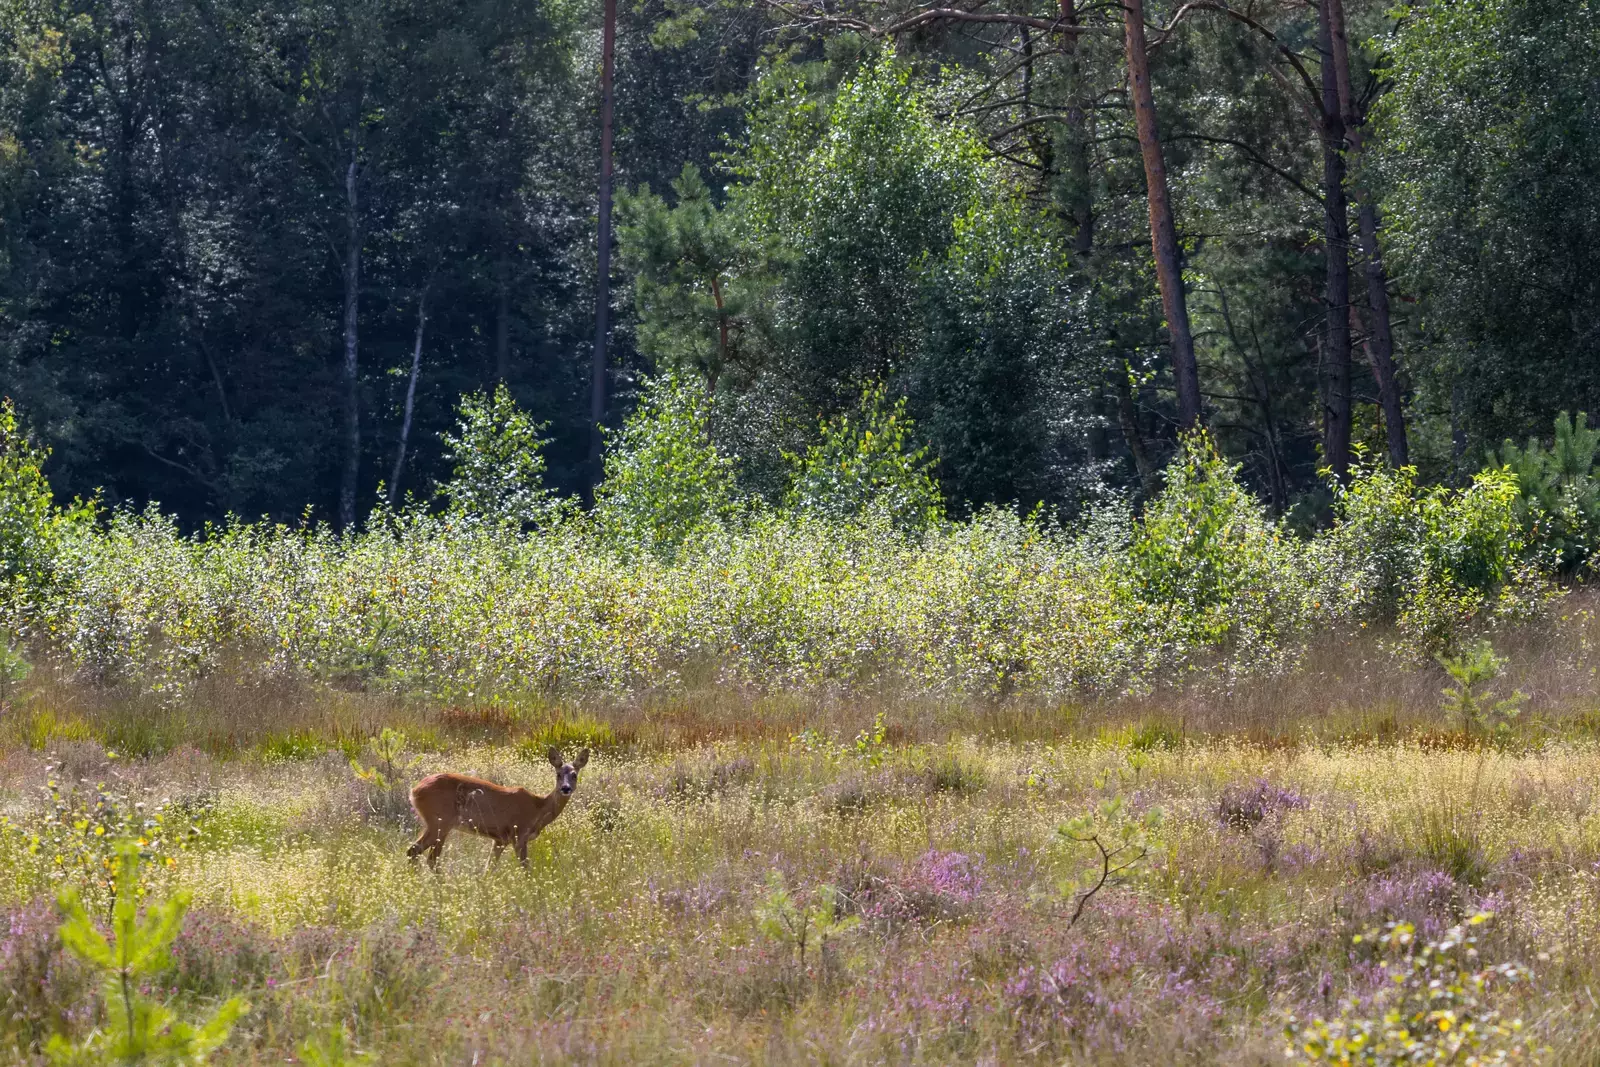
[{"x": 254, "y": 254}]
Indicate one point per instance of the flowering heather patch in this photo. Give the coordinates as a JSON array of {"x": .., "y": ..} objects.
[
  {"x": 43, "y": 988},
  {"x": 1429, "y": 899},
  {"x": 1245, "y": 808},
  {"x": 938, "y": 887}
]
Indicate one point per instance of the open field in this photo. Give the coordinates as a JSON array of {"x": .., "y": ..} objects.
[{"x": 1297, "y": 813}]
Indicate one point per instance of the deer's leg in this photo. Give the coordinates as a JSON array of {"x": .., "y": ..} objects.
[
  {"x": 425, "y": 840},
  {"x": 522, "y": 849},
  {"x": 494, "y": 857},
  {"x": 436, "y": 848}
]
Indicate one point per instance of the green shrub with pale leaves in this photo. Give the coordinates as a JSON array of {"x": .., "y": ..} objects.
[
  {"x": 671, "y": 581},
  {"x": 1208, "y": 568},
  {"x": 33, "y": 530},
  {"x": 864, "y": 461},
  {"x": 1433, "y": 560},
  {"x": 665, "y": 479},
  {"x": 499, "y": 463}
]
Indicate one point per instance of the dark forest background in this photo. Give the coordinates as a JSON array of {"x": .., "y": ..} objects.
[{"x": 1387, "y": 222}]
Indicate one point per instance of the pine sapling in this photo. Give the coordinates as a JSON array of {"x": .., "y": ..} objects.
[
  {"x": 138, "y": 1029},
  {"x": 1470, "y": 701},
  {"x": 1120, "y": 843},
  {"x": 801, "y": 923}
]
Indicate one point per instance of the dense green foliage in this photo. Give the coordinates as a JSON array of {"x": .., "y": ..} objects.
[
  {"x": 1439, "y": 1007},
  {"x": 182, "y": 189},
  {"x": 865, "y": 241},
  {"x": 675, "y": 581},
  {"x": 1491, "y": 150},
  {"x": 253, "y": 256}
]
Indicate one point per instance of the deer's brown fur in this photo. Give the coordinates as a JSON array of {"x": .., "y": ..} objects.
[{"x": 507, "y": 815}]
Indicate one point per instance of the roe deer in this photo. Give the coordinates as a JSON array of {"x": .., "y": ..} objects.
[{"x": 506, "y": 815}]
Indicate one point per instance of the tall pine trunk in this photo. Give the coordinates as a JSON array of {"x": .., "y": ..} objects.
[
  {"x": 1080, "y": 201},
  {"x": 1380, "y": 332},
  {"x": 602, "y": 311},
  {"x": 1163, "y": 231},
  {"x": 1380, "y": 337},
  {"x": 352, "y": 365},
  {"x": 1336, "y": 236},
  {"x": 1078, "y": 137}
]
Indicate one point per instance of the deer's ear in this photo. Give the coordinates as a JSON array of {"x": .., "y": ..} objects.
[
  {"x": 583, "y": 758},
  {"x": 554, "y": 756}
]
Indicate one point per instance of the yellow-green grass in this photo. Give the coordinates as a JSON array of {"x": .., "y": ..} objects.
[{"x": 633, "y": 936}]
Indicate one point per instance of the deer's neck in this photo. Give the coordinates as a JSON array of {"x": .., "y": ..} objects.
[{"x": 554, "y": 803}]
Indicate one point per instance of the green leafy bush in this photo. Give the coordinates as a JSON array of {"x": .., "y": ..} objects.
[
  {"x": 32, "y": 528},
  {"x": 14, "y": 666},
  {"x": 1431, "y": 559},
  {"x": 672, "y": 583},
  {"x": 664, "y": 479},
  {"x": 79, "y": 840},
  {"x": 1206, "y": 564},
  {"x": 499, "y": 463},
  {"x": 864, "y": 461}
]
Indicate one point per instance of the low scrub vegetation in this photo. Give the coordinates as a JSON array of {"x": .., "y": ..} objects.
[{"x": 675, "y": 581}]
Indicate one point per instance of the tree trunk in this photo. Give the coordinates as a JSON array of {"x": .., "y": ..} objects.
[
  {"x": 1259, "y": 384},
  {"x": 722, "y": 322},
  {"x": 502, "y": 319},
  {"x": 1336, "y": 236},
  {"x": 1380, "y": 332},
  {"x": 1078, "y": 138},
  {"x": 1163, "y": 231},
  {"x": 1380, "y": 338},
  {"x": 597, "y": 397},
  {"x": 411, "y": 397},
  {"x": 1128, "y": 416},
  {"x": 1458, "y": 424},
  {"x": 352, "y": 367},
  {"x": 129, "y": 300}
]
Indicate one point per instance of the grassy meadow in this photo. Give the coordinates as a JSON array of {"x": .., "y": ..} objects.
[{"x": 749, "y": 878}]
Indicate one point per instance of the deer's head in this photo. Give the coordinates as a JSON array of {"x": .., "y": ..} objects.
[{"x": 567, "y": 773}]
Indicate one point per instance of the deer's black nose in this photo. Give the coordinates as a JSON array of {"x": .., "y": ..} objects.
[{"x": 566, "y": 789}]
